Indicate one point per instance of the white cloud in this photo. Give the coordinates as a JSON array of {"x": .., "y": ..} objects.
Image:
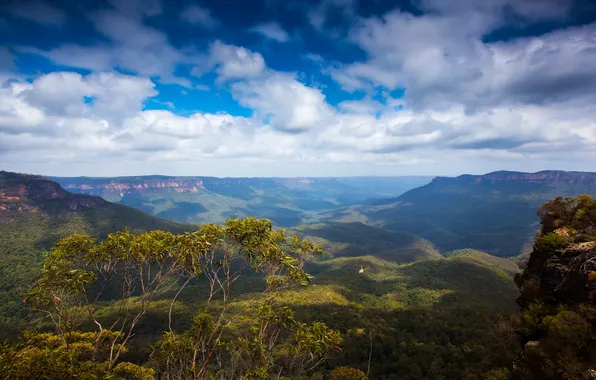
[
  {"x": 133, "y": 47},
  {"x": 234, "y": 61},
  {"x": 110, "y": 95},
  {"x": 197, "y": 15},
  {"x": 441, "y": 60},
  {"x": 294, "y": 125},
  {"x": 273, "y": 31},
  {"x": 287, "y": 103}
]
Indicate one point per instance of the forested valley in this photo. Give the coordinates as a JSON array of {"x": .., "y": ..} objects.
[{"x": 95, "y": 290}]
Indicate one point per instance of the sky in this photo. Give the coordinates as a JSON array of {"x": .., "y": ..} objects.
[{"x": 297, "y": 88}]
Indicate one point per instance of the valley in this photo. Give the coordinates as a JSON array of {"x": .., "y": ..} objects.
[
  {"x": 286, "y": 201},
  {"x": 414, "y": 283}
]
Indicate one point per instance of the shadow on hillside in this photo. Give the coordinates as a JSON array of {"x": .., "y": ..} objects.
[{"x": 460, "y": 281}]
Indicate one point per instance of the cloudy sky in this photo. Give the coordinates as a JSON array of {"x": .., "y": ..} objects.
[{"x": 297, "y": 88}]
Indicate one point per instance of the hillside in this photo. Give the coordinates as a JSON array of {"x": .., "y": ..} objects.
[
  {"x": 35, "y": 213},
  {"x": 495, "y": 212},
  {"x": 425, "y": 312},
  {"x": 286, "y": 201},
  {"x": 424, "y": 316},
  {"x": 357, "y": 239},
  {"x": 420, "y": 309}
]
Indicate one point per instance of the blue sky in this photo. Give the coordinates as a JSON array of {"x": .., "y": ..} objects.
[{"x": 297, "y": 88}]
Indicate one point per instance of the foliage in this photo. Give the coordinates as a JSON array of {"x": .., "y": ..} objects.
[
  {"x": 557, "y": 328},
  {"x": 72, "y": 356},
  {"x": 549, "y": 243},
  {"x": 575, "y": 213},
  {"x": 347, "y": 373},
  {"x": 79, "y": 273},
  {"x": 559, "y": 342}
]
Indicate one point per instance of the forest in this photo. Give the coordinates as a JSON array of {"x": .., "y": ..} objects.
[
  {"x": 130, "y": 304},
  {"x": 107, "y": 291}
]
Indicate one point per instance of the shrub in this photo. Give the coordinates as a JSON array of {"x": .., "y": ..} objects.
[
  {"x": 347, "y": 373},
  {"x": 552, "y": 242}
]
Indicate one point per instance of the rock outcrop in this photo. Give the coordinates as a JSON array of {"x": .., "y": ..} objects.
[
  {"x": 557, "y": 330},
  {"x": 31, "y": 193}
]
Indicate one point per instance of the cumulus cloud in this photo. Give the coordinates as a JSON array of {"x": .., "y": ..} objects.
[
  {"x": 133, "y": 46},
  {"x": 70, "y": 94},
  {"x": 292, "y": 124},
  {"x": 232, "y": 61},
  {"x": 288, "y": 104},
  {"x": 272, "y": 30},
  {"x": 441, "y": 59}
]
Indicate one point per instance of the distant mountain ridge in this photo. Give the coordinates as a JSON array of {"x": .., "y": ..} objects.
[
  {"x": 286, "y": 201},
  {"x": 545, "y": 176},
  {"x": 494, "y": 212},
  {"x": 124, "y": 185}
]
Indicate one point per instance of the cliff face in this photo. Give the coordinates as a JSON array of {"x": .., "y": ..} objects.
[
  {"x": 30, "y": 193},
  {"x": 161, "y": 184},
  {"x": 130, "y": 187},
  {"x": 544, "y": 177},
  {"x": 558, "y": 294}
]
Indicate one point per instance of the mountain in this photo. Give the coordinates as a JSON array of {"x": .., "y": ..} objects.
[
  {"x": 357, "y": 239},
  {"x": 286, "y": 201},
  {"x": 495, "y": 212},
  {"x": 35, "y": 212}
]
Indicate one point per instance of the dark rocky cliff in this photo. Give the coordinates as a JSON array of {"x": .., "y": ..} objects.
[{"x": 557, "y": 329}]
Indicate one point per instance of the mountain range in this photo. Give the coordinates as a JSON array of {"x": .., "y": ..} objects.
[
  {"x": 494, "y": 212},
  {"x": 286, "y": 201}
]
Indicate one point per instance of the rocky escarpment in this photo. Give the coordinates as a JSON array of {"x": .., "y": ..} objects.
[
  {"x": 31, "y": 193},
  {"x": 568, "y": 275},
  {"x": 161, "y": 184},
  {"x": 557, "y": 330},
  {"x": 548, "y": 176}
]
